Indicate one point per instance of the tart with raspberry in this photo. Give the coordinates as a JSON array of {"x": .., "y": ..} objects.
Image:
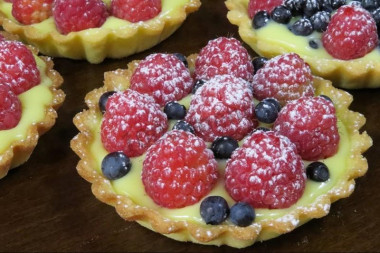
[
  {"x": 338, "y": 39},
  {"x": 29, "y": 97},
  {"x": 94, "y": 29},
  {"x": 209, "y": 149}
]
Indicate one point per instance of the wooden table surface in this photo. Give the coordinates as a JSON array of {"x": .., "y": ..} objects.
[{"x": 46, "y": 206}]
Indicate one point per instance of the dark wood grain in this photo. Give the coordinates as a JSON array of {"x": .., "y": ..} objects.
[{"x": 46, "y": 206}]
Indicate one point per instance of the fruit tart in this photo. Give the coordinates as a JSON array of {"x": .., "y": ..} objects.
[
  {"x": 29, "y": 96},
  {"x": 217, "y": 148},
  {"x": 337, "y": 38},
  {"x": 94, "y": 29}
]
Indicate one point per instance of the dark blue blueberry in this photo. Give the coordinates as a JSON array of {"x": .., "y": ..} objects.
[
  {"x": 197, "y": 85},
  {"x": 116, "y": 165},
  {"x": 311, "y": 7},
  {"x": 326, "y": 97},
  {"x": 337, "y": 3},
  {"x": 182, "y": 58},
  {"x": 356, "y": 3},
  {"x": 260, "y": 19},
  {"x": 370, "y": 4},
  {"x": 214, "y": 210},
  {"x": 103, "y": 100},
  {"x": 295, "y": 6},
  {"x": 317, "y": 171},
  {"x": 224, "y": 146},
  {"x": 274, "y": 102},
  {"x": 264, "y": 129},
  {"x": 313, "y": 44},
  {"x": 281, "y": 14},
  {"x": 175, "y": 110},
  {"x": 302, "y": 27},
  {"x": 184, "y": 126},
  {"x": 258, "y": 63},
  {"x": 320, "y": 20},
  {"x": 266, "y": 112},
  {"x": 376, "y": 17},
  {"x": 326, "y": 5},
  {"x": 242, "y": 214}
]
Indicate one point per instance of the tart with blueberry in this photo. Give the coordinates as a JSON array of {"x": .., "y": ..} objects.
[
  {"x": 29, "y": 96},
  {"x": 217, "y": 148},
  {"x": 94, "y": 29},
  {"x": 337, "y": 38}
]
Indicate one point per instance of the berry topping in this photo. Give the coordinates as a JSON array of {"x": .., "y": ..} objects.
[
  {"x": 302, "y": 27},
  {"x": 223, "y": 147},
  {"x": 18, "y": 68},
  {"x": 285, "y": 77},
  {"x": 179, "y": 170},
  {"x": 260, "y": 19},
  {"x": 10, "y": 108},
  {"x": 162, "y": 76},
  {"x": 115, "y": 165},
  {"x": 295, "y": 6},
  {"x": 182, "y": 58},
  {"x": 175, "y": 110},
  {"x": 132, "y": 122},
  {"x": 242, "y": 214},
  {"x": 311, "y": 124},
  {"x": 197, "y": 85},
  {"x": 258, "y": 63},
  {"x": 310, "y": 7},
  {"x": 214, "y": 210},
  {"x": 184, "y": 126},
  {"x": 337, "y": 3},
  {"x": 281, "y": 14},
  {"x": 255, "y": 6},
  {"x": 313, "y": 44},
  {"x": 266, "y": 112},
  {"x": 77, "y": 15},
  {"x": 317, "y": 171},
  {"x": 320, "y": 20},
  {"x": 351, "y": 33},
  {"x": 103, "y": 100},
  {"x": 326, "y": 97},
  {"x": 266, "y": 172},
  {"x": 223, "y": 106},
  {"x": 29, "y": 12},
  {"x": 223, "y": 56},
  {"x": 135, "y": 10}
]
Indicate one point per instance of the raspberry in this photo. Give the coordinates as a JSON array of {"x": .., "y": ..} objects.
[
  {"x": 18, "y": 68},
  {"x": 255, "y": 6},
  {"x": 162, "y": 76},
  {"x": 266, "y": 172},
  {"x": 351, "y": 33},
  {"x": 285, "y": 77},
  {"x": 311, "y": 123},
  {"x": 179, "y": 170},
  {"x": 29, "y": 12},
  {"x": 77, "y": 15},
  {"x": 223, "y": 56},
  {"x": 10, "y": 108},
  {"x": 132, "y": 122},
  {"x": 223, "y": 106},
  {"x": 135, "y": 10}
]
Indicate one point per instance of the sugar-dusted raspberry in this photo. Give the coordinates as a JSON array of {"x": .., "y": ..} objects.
[
  {"x": 285, "y": 77},
  {"x": 311, "y": 123},
  {"x": 162, "y": 76},
  {"x": 223, "y": 106},
  {"x": 132, "y": 122},
  {"x": 223, "y": 56},
  {"x": 29, "y": 12},
  {"x": 266, "y": 172},
  {"x": 351, "y": 33},
  {"x": 255, "y": 6},
  {"x": 18, "y": 68},
  {"x": 10, "y": 108},
  {"x": 77, "y": 15},
  {"x": 179, "y": 170},
  {"x": 136, "y": 10}
]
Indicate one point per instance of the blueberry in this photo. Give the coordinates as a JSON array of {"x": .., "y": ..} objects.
[
  {"x": 184, "y": 126},
  {"x": 281, "y": 14},
  {"x": 258, "y": 63},
  {"x": 320, "y": 20},
  {"x": 116, "y": 165},
  {"x": 224, "y": 146},
  {"x": 197, "y": 85},
  {"x": 182, "y": 58},
  {"x": 376, "y": 17},
  {"x": 214, "y": 210},
  {"x": 317, "y": 171},
  {"x": 264, "y": 129},
  {"x": 260, "y": 19},
  {"x": 266, "y": 112},
  {"x": 326, "y": 97},
  {"x": 313, "y": 44},
  {"x": 175, "y": 110},
  {"x": 302, "y": 27},
  {"x": 370, "y": 4},
  {"x": 103, "y": 100},
  {"x": 274, "y": 102},
  {"x": 326, "y": 5},
  {"x": 242, "y": 214},
  {"x": 337, "y": 3},
  {"x": 295, "y": 6},
  {"x": 311, "y": 7}
]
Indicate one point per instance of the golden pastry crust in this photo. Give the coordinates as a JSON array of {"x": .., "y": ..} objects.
[
  {"x": 352, "y": 74},
  {"x": 225, "y": 234},
  {"x": 19, "y": 151},
  {"x": 96, "y": 44}
]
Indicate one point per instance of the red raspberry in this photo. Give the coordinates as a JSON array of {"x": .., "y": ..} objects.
[
  {"x": 285, "y": 77},
  {"x": 255, "y": 6},
  {"x": 18, "y": 68},
  {"x": 135, "y": 10},
  {"x": 78, "y": 15},
  {"x": 223, "y": 56},
  {"x": 29, "y": 12},
  {"x": 311, "y": 123},
  {"x": 223, "y": 106},
  {"x": 162, "y": 76},
  {"x": 266, "y": 172},
  {"x": 179, "y": 170},
  {"x": 351, "y": 33},
  {"x": 132, "y": 122},
  {"x": 10, "y": 108}
]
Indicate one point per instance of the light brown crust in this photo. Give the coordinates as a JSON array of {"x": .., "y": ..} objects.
[
  {"x": 20, "y": 151},
  {"x": 220, "y": 234},
  {"x": 112, "y": 43},
  {"x": 353, "y": 74}
]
